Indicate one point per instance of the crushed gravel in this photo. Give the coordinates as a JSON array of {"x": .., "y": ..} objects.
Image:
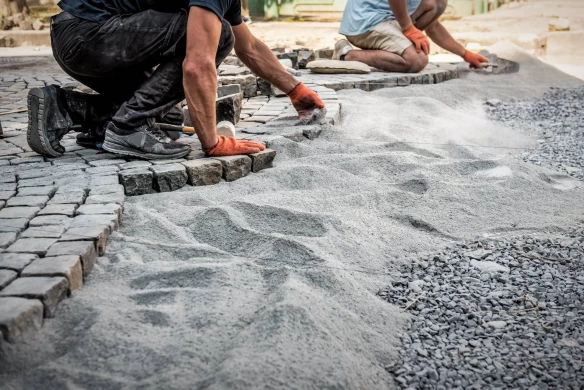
[
  {"x": 557, "y": 120},
  {"x": 502, "y": 313}
]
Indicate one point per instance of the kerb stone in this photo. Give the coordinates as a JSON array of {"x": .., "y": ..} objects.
[
  {"x": 203, "y": 172},
  {"x": 19, "y": 316},
  {"x": 50, "y": 291}
]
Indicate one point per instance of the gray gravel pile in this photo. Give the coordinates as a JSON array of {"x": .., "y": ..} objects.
[
  {"x": 557, "y": 120},
  {"x": 503, "y": 313}
]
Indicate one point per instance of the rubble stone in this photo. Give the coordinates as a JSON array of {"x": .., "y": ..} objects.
[
  {"x": 38, "y": 246},
  {"x": 19, "y": 316},
  {"x": 137, "y": 181},
  {"x": 262, "y": 160},
  {"x": 169, "y": 177},
  {"x": 66, "y": 266},
  {"x": 234, "y": 167},
  {"x": 84, "y": 249},
  {"x": 16, "y": 261},
  {"x": 203, "y": 171},
  {"x": 50, "y": 291}
]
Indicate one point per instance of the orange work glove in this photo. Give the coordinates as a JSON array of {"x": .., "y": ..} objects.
[
  {"x": 304, "y": 100},
  {"x": 475, "y": 60},
  {"x": 419, "y": 39},
  {"x": 231, "y": 147}
]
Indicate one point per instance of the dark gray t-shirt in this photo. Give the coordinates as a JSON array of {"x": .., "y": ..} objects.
[{"x": 102, "y": 10}]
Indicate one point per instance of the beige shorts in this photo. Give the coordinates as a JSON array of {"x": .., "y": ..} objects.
[{"x": 386, "y": 36}]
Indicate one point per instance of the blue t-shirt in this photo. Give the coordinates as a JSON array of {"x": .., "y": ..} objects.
[
  {"x": 361, "y": 16},
  {"x": 102, "y": 10}
]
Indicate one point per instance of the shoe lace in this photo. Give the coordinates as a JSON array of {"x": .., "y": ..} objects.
[{"x": 154, "y": 129}]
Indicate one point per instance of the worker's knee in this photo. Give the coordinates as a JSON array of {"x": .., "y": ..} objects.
[
  {"x": 435, "y": 7},
  {"x": 441, "y": 6},
  {"x": 416, "y": 62}
]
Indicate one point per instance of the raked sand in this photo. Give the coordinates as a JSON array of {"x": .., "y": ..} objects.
[{"x": 270, "y": 282}]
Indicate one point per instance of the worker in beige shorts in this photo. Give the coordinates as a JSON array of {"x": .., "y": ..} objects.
[{"x": 389, "y": 34}]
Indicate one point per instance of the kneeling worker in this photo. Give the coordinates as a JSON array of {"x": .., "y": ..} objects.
[
  {"x": 389, "y": 32},
  {"x": 143, "y": 57}
]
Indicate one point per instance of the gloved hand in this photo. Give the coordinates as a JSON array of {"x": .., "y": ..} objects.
[
  {"x": 475, "y": 60},
  {"x": 419, "y": 39},
  {"x": 304, "y": 100},
  {"x": 229, "y": 146}
]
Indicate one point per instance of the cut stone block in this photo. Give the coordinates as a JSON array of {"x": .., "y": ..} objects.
[
  {"x": 289, "y": 56},
  {"x": 19, "y": 316},
  {"x": 110, "y": 189},
  {"x": 83, "y": 249},
  {"x": 169, "y": 177},
  {"x": 6, "y": 276},
  {"x": 44, "y": 220},
  {"x": 71, "y": 197},
  {"x": 37, "y": 201},
  {"x": 304, "y": 57},
  {"x": 7, "y": 239},
  {"x": 36, "y": 191},
  {"x": 228, "y": 108},
  {"x": 103, "y": 171},
  {"x": 203, "y": 172},
  {"x": 234, "y": 167},
  {"x": 103, "y": 180},
  {"x": 268, "y": 89},
  {"x": 226, "y": 90},
  {"x": 105, "y": 220},
  {"x": 106, "y": 198},
  {"x": 65, "y": 266},
  {"x": 5, "y": 195},
  {"x": 248, "y": 83},
  {"x": 135, "y": 164},
  {"x": 90, "y": 209},
  {"x": 16, "y": 261},
  {"x": 47, "y": 231},
  {"x": 19, "y": 212},
  {"x": 38, "y": 246},
  {"x": 50, "y": 291},
  {"x": 262, "y": 160},
  {"x": 137, "y": 181},
  {"x": 97, "y": 233},
  {"x": 59, "y": 209}
]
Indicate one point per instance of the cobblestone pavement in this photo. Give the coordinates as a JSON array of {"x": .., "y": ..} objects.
[{"x": 56, "y": 213}]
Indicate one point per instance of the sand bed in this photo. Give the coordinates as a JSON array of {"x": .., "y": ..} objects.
[{"x": 271, "y": 281}]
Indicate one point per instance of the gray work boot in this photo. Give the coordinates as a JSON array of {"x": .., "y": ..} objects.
[{"x": 146, "y": 142}]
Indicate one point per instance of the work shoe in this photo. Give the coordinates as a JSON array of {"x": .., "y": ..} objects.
[
  {"x": 91, "y": 139},
  {"x": 48, "y": 120},
  {"x": 146, "y": 142},
  {"x": 342, "y": 47}
]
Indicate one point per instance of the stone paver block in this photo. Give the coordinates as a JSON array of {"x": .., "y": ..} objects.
[
  {"x": 66, "y": 266},
  {"x": 169, "y": 177},
  {"x": 7, "y": 276},
  {"x": 96, "y": 233},
  {"x": 135, "y": 164},
  {"x": 228, "y": 108},
  {"x": 103, "y": 180},
  {"x": 262, "y": 160},
  {"x": 7, "y": 239},
  {"x": 73, "y": 197},
  {"x": 16, "y": 261},
  {"x": 90, "y": 209},
  {"x": 203, "y": 172},
  {"x": 110, "y": 189},
  {"x": 234, "y": 167},
  {"x": 38, "y": 201},
  {"x": 38, "y": 246},
  {"x": 19, "y": 316},
  {"x": 84, "y": 249},
  {"x": 109, "y": 220},
  {"x": 49, "y": 290},
  {"x": 19, "y": 212},
  {"x": 137, "y": 181},
  {"x": 46, "y": 231},
  {"x": 44, "y": 220},
  {"x": 107, "y": 162},
  {"x": 59, "y": 209},
  {"x": 13, "y": 225},
  {"x": 106, "y": 198},
  {"x": 41, "y": 181},
  {"x": 5, "y": 195},
  {"x": 36, "y": 191},
  {"x": 103, "y": 171}
]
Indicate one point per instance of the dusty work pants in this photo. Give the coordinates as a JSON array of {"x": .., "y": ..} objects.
[{"x": 133, "y": 61}]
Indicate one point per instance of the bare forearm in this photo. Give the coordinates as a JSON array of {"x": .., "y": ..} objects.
[
  {"x": 401, "y": 13},
  {"x": 260, "y": 59},
  {"x": 440, "y": 36},
  {"x": 200, "y": 85}
]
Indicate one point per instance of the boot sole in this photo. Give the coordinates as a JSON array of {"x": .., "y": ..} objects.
[
  {"x": 36, "y": 133},
  {"x": 126, "y": 151}
]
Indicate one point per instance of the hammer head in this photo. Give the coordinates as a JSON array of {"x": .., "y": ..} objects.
[{"x": 226, "y": 128}]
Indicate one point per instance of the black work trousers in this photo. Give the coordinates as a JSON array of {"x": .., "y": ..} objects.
[{"x": 133, "y": 61}]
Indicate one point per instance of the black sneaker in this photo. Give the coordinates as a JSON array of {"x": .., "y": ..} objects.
[
  {"x": 48, "y": 120},
  {"x": 146, "y": 142},
  {"x": 90, "y": 139}
]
